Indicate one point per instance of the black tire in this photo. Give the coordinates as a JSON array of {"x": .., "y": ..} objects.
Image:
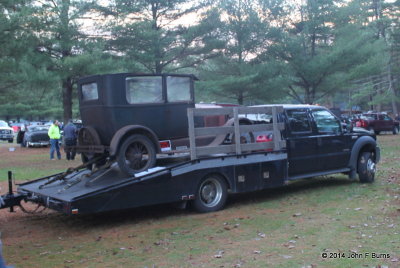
[
  {"x": 211, "y": 194},
  {"x": 395, "y": 130},
  {"x": 366, "y": 167},
  {"x": 136, "y": 154},
  {"x": 10, "y": 141}
]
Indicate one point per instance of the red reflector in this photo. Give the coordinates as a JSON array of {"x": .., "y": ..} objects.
[
  {"x": 263, "y": 138},
  {"x": 165, "y": 144},
  {"x": 74, "y": 211}
]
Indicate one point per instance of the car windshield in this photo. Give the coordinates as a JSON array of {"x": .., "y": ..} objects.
[
  {"x": 37, "y": 128},
  {"x": 3, "y": 124}
]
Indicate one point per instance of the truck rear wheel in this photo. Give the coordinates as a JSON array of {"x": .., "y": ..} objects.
[
  {"x": 211, "y": 194},
  {"x": 137, "y": 153},
  {"x": 366, "y": 167},
  {"x": 395, "y": 130}
]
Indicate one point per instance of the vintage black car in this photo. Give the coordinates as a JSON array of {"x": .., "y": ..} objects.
[
  {"x": 132, "y": 117},
  {"x": 34, "y": 136}
]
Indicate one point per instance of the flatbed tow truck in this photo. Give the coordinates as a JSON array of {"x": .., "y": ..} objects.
[{"x": 204, "y": 175}]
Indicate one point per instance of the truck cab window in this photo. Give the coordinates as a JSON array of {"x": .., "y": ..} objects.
[
  {"x": 387, "y": 118},
  {"x": 326, "y": 122},
  {"x": 178, "y": 89},
  {"x": 298, "y": 121},
  {"x": 144, "y": 89},
  {"x": 90, "y": 92}
]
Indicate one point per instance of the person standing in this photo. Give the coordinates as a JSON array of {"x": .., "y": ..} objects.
[
  {"x": 70, "y": 135},
  {"x": 54, "y": 134}
]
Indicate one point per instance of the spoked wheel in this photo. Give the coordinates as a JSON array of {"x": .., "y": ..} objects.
[
  {"x": 366, "y": 167},
  {"x": 137, "y": 153},
  {"x": 89, "y": 136},
  {"x": 211, "y": 194}
]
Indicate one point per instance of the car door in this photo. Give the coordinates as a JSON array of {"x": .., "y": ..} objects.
[
  {"x": 301, "y": 142},
  {"x": 179, "y": 93},
  {"x": 333, "y": 146}
]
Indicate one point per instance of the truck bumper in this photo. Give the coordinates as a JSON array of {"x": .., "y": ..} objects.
[{"x": 6, "y": 137}]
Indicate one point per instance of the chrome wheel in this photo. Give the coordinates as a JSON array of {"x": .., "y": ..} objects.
[{"x": 210, "y": 192}]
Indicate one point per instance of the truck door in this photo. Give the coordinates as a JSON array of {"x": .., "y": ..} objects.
[
  {"x": 387, "y": 122},
  {"x": 301, "y": 142},
  {"x": 333, "y": 148}
]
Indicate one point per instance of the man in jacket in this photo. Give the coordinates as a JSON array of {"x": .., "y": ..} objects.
[
  {"x": 54, "y": 134},
  {"x": 70, "y": 136}
]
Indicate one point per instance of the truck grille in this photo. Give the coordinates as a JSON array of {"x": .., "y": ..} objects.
[{"x": 5, "y": 131}]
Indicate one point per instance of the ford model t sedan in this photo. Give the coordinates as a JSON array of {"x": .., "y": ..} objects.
[{"x": 132, "y": 117}]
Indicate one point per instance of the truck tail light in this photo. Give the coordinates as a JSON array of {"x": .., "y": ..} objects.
[{"x": 363, "y": 123}]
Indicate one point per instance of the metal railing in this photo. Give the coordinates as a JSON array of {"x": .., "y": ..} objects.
[{"x": 235, "y": 129}]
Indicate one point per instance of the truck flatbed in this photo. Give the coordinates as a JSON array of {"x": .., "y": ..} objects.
[{"x": 110, "y": 189}]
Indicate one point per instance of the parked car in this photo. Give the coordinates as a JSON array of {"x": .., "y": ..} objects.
[
  {"x": 6, "y": 133},
  {"x": 376, "y": 122},
  {"x": 35, "y": 135}
]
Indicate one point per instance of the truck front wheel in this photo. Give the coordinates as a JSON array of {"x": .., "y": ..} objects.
[
  {"x": 136, "y": 154},
  {"x": 366, "y": 167},
  {"x": 211, "y": 194}
]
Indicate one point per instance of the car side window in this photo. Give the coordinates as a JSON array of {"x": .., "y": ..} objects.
[
  {"x": 326, "y": 122},
  {"x": 178, "y": 89},
  {"x": 298, "y": 121},
  {"x": 90, "y": 92},
  {"x": 144, "y": 89}
]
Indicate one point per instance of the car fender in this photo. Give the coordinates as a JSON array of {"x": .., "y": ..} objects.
[
  {"x": 363, "y": 143},
  {"x": 132, "y": 129}
]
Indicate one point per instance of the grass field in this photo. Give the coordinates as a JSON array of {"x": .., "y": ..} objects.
[{"x": 320, "y": 222}]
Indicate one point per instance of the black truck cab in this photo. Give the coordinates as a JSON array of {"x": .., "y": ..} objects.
[{"x": 317, "y": 142}]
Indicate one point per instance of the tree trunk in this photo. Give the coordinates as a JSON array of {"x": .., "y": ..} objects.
[
  {"x": 392, "y": 91},
  {"x": 240, "y": 98},
  {"x": 67, "y": 88},
  {"x": 307, "y": 96}
]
